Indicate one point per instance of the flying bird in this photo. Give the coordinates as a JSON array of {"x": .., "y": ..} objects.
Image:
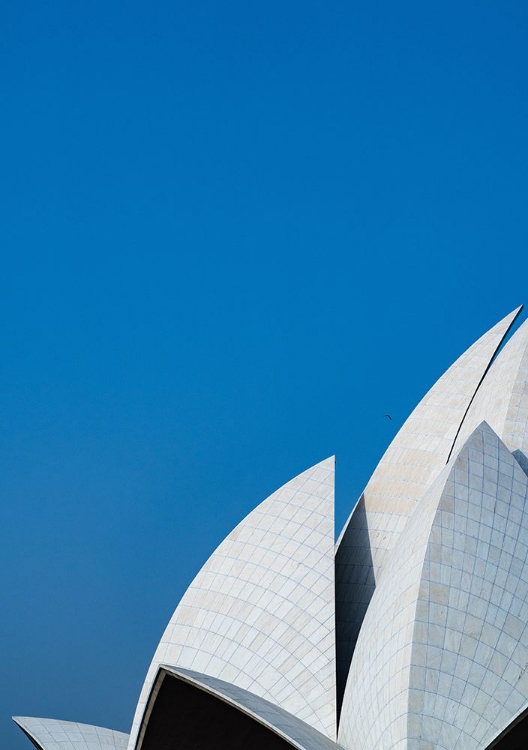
[{"x": 389, "y": 416}]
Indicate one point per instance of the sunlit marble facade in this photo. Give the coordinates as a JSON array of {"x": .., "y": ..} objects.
[{"x": 410, "y": 632}]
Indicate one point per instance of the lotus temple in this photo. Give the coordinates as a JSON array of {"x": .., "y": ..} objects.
[{"x": 408, "y": 633}]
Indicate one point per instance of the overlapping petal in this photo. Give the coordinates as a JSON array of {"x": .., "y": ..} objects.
[{"x": 428, "y": 584}]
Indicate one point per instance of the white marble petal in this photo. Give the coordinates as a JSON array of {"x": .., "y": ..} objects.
[
  {"x": 408, "y": 468},
  {"x": 52, "y": 734},
  {"x": 502, "y": 399},
  {"x": 442, "y": 659},
  {"x": 260, "y": 613}
]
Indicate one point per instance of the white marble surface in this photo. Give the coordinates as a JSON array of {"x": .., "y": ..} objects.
[
  {"x": 442, "y": 661},
  {"x": 502, "y": 399},
  {"x": 53, "y": 734},
  {"x": 260, "y": 613},
  {"x": 431, "y": 581},
  {"x": 407, "y": 469}
]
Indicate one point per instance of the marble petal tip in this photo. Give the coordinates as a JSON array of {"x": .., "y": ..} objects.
[
  {"x": 409, "y": 633},
  {"x": 263, "y": 596}
]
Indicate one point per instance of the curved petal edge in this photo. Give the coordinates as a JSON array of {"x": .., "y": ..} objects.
[
  {"x": 53, "y": 734},
  {"x": 260, "y": 613},
  {"x": 187, "y": 700},
  {"x": 502, "y": 399},
  {"x": 408, "y": 468},
  {"x": 443, "y": 653}
]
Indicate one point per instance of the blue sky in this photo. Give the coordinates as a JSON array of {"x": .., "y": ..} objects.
[{"x": 234, "y": 236}]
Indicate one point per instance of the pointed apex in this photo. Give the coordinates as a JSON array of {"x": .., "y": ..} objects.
[
  {"x": 493, "y": 338},
  {"x": 328, "y": 464},
  {"x": 502, "y": 399},
  {"x": 484, "y": 440},
  {"x": 508, "y": 321},
  {"x": 511, "y": 317},
  {"x": 480, "y": 433},
  {"x": 501, "y": 328},
  {"x": 504, "y": 326},
  {"x": 410, "y": 465},
  {"x": 264, "y": 598},
  {"x": 415, "y": 613},
  {"x": 484, "y": 427}
]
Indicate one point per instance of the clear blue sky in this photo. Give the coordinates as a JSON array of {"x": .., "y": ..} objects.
[{"x": 234, "y": 235}]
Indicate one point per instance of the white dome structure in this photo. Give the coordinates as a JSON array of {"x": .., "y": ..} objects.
[{"x": 409, "y": 633}]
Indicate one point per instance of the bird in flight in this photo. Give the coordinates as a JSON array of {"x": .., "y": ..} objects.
[{"x": 389, "y": 416}]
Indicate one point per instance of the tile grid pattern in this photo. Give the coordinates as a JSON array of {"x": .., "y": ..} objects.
[
  {"x": 451, "y": 667},
  {"x": 409, "y": 466},
  {"x": 260, "y": 613},
  {"x": 473, "y": 622},
  {"x": 375, "y": 701},
  {"x": 52, "y": 734}
]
